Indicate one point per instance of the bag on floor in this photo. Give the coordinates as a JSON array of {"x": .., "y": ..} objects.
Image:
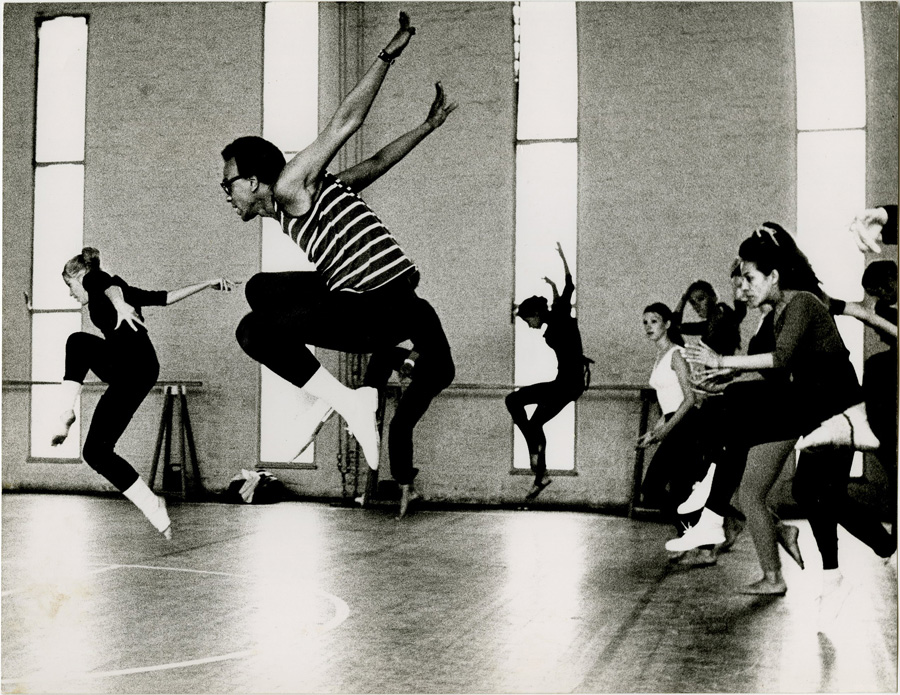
[{"x": 255, "y": 487}]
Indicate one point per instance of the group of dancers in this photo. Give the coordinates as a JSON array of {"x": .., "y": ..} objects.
[
  {"x": 730, "y": 420},
  {"x": 363, "y": 276}
]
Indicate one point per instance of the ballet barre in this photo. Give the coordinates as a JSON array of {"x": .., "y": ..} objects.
[{"x": 181, "y": 475}]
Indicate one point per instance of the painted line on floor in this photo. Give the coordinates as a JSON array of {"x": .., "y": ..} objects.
[{"x": 341, "y": 613}]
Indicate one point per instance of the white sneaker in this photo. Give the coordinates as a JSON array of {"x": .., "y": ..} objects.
[
  {"x": 363, "y": 424},
  {"x": 314, "y": 420},
  {"x": 697, "y": 536},
  {"x": 699, "y": 494}
]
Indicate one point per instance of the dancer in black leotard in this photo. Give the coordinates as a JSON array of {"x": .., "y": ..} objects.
[
  {"x": 563, "y": 336},
  {"x": 125, "y": 359}
]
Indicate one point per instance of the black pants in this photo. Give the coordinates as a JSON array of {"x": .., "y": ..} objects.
[
  {"x": 758, "y": 412},
  {"x": 551, "y": 397},
  {"x": 676, "y": 465},
  {"x": 293, "y": 309},
  {"x": 880, "y": 390},
  {"x": 128, "y": 363}
]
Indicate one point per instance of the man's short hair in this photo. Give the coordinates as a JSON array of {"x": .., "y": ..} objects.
[{"x": 255, "y": 156}]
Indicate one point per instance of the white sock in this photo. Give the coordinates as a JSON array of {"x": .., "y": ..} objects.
[
  {"x": 145, "y": 500},
  {"x": 324, "y": 386},
  {"x": 68, "y": 395},
  {"x": 356, "y": 406}
]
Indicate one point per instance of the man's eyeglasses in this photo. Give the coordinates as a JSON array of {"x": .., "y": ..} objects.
[{"x": 226, "y": 183}]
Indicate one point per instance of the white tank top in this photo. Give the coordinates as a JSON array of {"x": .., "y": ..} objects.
[{"x": 665, "y": 382}]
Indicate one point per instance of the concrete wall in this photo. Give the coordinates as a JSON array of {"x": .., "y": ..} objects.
[{"x": 686, "y": 140}]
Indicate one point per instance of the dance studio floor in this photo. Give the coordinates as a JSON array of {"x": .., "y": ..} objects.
[{"x": 304, "y": 597}]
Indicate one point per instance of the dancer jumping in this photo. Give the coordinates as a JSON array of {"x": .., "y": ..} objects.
[
  {"x": 125, "y": 359},
  {"x": 573, "y": 375},
  {"x": 361, "y": 298}
]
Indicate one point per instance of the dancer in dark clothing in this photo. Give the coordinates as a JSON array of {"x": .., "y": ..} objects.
[
  {"x": 362, "y": 296},
  {"x": 573, "y": 373},
  {"x": 125, "y": 359},
  {"x": 719, "y": 325},
  {"x": 822, "y": 382}
]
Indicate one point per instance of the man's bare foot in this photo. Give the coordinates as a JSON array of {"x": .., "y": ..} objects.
[{"x": 408, "y": 495}]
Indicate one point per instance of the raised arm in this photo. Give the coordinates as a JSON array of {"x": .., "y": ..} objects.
[
  {"x": 220, "y": 284},
  {"x": 300, "y": 176},
  {"x": 569, "y": 287},
  {"x": 361, "y": 175}
]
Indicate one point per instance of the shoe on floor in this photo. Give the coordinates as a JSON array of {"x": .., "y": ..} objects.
[{"x": 697, "y": 536}]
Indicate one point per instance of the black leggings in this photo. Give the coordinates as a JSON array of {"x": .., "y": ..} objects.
[
  {"x": 293, "y": 309},
  {"x": 551, "y": 397},
  {"x": 676, "y": 465},
  {"x": 127, "y": 362},
  {"x": 880, "y": 389}
]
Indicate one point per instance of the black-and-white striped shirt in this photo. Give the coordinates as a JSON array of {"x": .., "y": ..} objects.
[{"x": 345, "y": 240}]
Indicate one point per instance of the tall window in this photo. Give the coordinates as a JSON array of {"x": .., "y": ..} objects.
[
  {"x": 58, "y": 219},
  {"x": 290, "y": 120},
  {"x": 831, "y": 151},
  {"x": 546, "y": 71}
]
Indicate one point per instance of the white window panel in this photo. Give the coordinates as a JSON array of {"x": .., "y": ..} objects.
[
  {"x": 546, "y": 213},
  {"x": 48, "y": 344},
  {"x": 831, "y": 175},
  {"x": 58, "y": 231},
  {"x": 291, "y": 74},
  {"x": 290, "y": 121},
  {"x": 283, "y": 419},
  {"x": 61, "y": 89},
  {"x": 48, "y": 336},
  {"x": 548, "y": 71},
  {"x": 830, "y": 65},
  {"x": 46, "y": 409}
]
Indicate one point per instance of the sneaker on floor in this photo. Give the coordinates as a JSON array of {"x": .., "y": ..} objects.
[{"x": 697, "y": 536}]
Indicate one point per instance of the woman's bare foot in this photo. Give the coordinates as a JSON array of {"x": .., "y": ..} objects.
[
  {"x": 767, "y": 586},
  {"x": 787, "y": 537},
  {"x": 537, "y": 487},
  {"x": 66, "y": 420}
]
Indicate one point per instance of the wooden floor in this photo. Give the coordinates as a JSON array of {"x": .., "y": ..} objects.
[{"x": 302, "y": 597}]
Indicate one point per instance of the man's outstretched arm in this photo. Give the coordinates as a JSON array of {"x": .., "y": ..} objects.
[
  {"x": 301, "y": 174},
  {"x": 361, "y": 175}
]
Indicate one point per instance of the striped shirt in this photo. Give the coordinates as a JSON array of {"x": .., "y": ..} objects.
[{"x": 345, "y": 240}]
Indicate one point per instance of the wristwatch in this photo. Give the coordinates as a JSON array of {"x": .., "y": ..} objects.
[{"x": 386, "y": 57}]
